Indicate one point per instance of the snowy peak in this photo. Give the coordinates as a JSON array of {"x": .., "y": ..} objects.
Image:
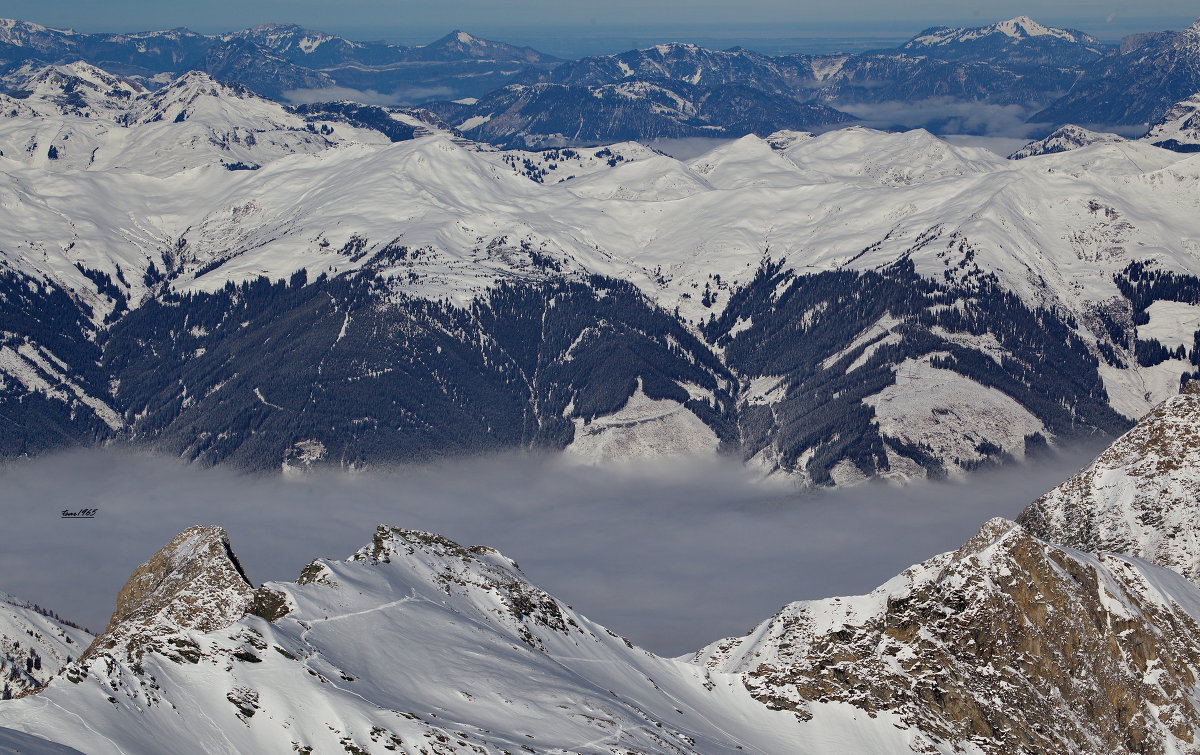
[
  {"x": 459, "y": 45},
  {"x": 193, "y": 582},
  {"x": 1019, "y": 28},
  {"x": 481, "y": 582},
  {"x": 414, "y": 644},
  {"x": 891, "y": 159},
  {"x": 1179, "y": 128},
  {"x": 79, "y": 117},
  {"x": 36, "y": 36},
  {"x": 1141, "y": 496},
  {"x": 194, "y": 92},
  {"x": 1024, "y": 26},
  {"x": 1057, "y": 630},
  {"x": 76, "y": 88},
  {"x": 1018, "y": 41},
  {"x": 424, "y": 547},
  {"x": 1064, "y": 139},
  {"x": 286, "y": 38}
]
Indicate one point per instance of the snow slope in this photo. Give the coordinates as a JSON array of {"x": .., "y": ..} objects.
[
  {"x": 845, "y": 191},
  {"x": 78, "y": 117},
  {"x": 34, "y": 646},
  {"x": 1179, "y": 128},
  {"x": 1140, "y": 496},
  {"x": 413, "y": 644}
]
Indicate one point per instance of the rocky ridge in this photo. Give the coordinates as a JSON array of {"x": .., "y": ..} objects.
[
  {"x": 1141, "y": 496},
  {"x": 1010, "y": 644}
]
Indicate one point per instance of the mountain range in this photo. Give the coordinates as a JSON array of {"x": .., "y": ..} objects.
[
  {"x": 1010, "y": 643},
  {"x": 206, "y": 272},
  {"x": 943, "y": 79},
  {"x": 274, "y": 59}
]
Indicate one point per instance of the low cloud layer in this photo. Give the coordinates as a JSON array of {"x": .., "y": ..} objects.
[
  {"x": 950, "y": 116},
  {"x": 402, "y": 96},
  {"x": 673, "y": 557}
]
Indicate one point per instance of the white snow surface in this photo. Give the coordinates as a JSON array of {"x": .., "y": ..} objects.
[
  {"x": 644, "y": 429},
  {"x": 19, "y": 743},
  {"x": 817, "y": 203},
  {"x": 25, "y": 634},
  {"x": 1172, "y": 324},
  {"x": 1181, "y": 123},
  {"x": 950, "y": 416}
]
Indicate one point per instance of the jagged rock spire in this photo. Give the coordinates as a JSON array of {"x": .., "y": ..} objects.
[{"x": 193, "y": 582}]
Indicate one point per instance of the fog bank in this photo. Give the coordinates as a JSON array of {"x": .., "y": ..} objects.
[{"x": 673, "y": 556}]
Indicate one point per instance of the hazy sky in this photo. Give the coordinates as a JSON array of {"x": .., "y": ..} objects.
[
  {"x": 374, "y": 19},
  {"x": 673, "y": 557}
]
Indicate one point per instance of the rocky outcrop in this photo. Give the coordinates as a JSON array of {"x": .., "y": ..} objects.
[
  {"x": 1008, "y": 644},
  {"x": 193, "y": 583},
  {"x": 1141, "y": 496}
]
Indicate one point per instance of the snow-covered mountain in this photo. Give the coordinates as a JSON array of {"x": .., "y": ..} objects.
[
  {"x": 1064, "y": 139},
  {"x": 459, "y": 45},
  {"x": 680, "y": 61},
  {"x": 1151, "y": 73},
  {"x": 545, "y": 115},
  {"x": 1016, "y": 63},
  {"x": 1019, "y": 40},
  {"x": 1140, "y": 497},
  {"x": 1179, "y": 129},
  {"x": 282, "y": 60},
  {"x": 848, "y": 305},
  {"x": 35, "y": 645},
  {"x": 78, "y": 117}
]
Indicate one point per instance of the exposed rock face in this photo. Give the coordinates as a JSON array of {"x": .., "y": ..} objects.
[
  {"x": 193, "y": 583},
  {"x": 1141, "y": 496},
  {"x": 1009, "y": 644}
]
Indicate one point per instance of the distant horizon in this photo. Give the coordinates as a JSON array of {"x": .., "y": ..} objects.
[{"x": 583, "y": 39}]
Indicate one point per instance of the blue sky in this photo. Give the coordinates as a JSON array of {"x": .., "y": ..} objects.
[{"x": 405, "y": 20}]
